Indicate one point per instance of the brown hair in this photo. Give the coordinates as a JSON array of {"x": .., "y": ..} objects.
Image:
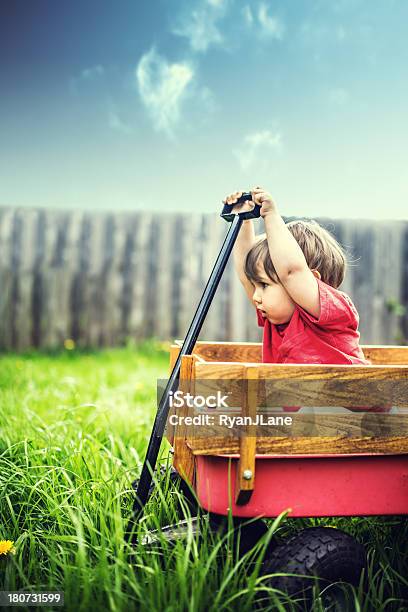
[{"x": 321, "y": 250}]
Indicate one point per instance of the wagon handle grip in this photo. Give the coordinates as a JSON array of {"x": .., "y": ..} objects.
[{"x": 228, "y": 215}]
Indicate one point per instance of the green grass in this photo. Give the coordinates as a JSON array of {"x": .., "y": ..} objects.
[{"x": 74, "y": 428}]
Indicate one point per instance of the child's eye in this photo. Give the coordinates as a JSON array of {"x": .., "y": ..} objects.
[{"x": 264, "y": 285}]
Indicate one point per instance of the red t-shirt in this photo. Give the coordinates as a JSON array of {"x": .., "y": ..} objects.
[{"x": 332, "y": 338}]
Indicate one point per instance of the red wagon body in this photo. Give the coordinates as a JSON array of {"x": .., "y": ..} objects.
[
  {"x": 331, "y": 475},
  {"x": 310, "y": 485}
]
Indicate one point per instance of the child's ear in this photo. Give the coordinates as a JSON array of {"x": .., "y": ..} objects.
[{"x": 316, "y": 273}]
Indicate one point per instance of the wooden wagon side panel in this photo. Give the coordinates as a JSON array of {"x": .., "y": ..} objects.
[
  {"x": 356, "y": 388},
  {"x": 251, "y": 352},
  {"x": 383, "y": 355}
]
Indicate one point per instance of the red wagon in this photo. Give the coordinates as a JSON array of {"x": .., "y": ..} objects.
[
  {"x": 343, "y": 457},
  {"x": 339, "y": 455},
  {"x": 351, "y": 463}
]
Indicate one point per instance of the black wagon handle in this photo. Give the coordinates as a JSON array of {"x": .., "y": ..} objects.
[
  {"x": 228, "y": 215},
  {"x": 143, "y": 489}
]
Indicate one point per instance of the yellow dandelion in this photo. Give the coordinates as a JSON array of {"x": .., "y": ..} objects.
[
  {"x": 6, "y": 547},
  {"x": 69, "y": 344}
]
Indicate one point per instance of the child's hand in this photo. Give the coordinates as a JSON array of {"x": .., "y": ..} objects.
[
  {"x": 239, "y": 208},
  {"x": 264, "y": 199}
]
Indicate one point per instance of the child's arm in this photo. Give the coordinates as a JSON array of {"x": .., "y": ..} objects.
[
  {"x": 244, "y": 242},
  {"x": 287, "y": 257}
]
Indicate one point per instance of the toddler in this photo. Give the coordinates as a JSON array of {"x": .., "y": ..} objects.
[
  {"x": 292, "y": 277},
  {"x": 292, "y": 274}
]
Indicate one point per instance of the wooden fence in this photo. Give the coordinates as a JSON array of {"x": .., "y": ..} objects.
[{"x": 101, "y": 278}]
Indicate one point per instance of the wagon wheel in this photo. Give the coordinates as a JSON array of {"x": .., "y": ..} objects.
[{"x": 329, "y": 554}]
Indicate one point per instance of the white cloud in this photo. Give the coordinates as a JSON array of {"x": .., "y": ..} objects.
[
  {"x": 247, "y": 13},
  {"x": 200, "y": 25},
  {"x": 339, "y": 96},
  {"x": 257, "y": 147},
  {"x": 163, "y": 88},
  {"x": 262, "y": 23},
  {"x": 88, "y": 74},
  {"x": 271, "y": 26}
]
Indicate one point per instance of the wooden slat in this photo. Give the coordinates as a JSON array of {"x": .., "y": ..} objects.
[
  {"x": 6, "y": 283},
  {"x": 183, "y": 457},
  {"x": 310, "y": 385},
  {"x": 344, "y": 234},
  {"x": 187, "y": 245},
  {"x": 174, "y": 353},
  {"x": 337, "y": 392},
  {"x": 387, "y": 275},
  {"x": 67, "y": 285},
  {"x": 248, "y": 352},
  {"x": 23, "y": 259},
  {"x": 319, "y": 385},
  {"x": 151, "y": 299},
  {"x": 306, "y": 371},
  {"x": 128, "y": 276},
  {"x": 237, "y": 302},
  {"x": 7, "y": 279},
  {"x": 333, "y": 372},
  {"x": 141, "y": 276},
  {"x": 99, "y": 247},
  {"x": 386, "y": 355},
  {"x": 110, "y": 281},
  {"x": 375, "y": 276},
  {"x": 214, "y": 325},
  {"x": 164, "y": 279},
  {"x": 336, "y": 445},
  {"x": 310, "y": 424},
  {"x": 251, "y": 352},
  {"x": 177, "y": 346},
  {"x": 55, "y": 275},
  {"x": 81, "y": 290},
  {"x": 245, "y": 481},
  {"x": 362, "y": 275},
  {"x": 196, "y": 277}
]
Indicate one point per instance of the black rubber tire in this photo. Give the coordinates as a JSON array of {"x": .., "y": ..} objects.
[{"x": 327, "y": 553}]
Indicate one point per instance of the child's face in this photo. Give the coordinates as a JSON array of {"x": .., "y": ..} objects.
[{"x": 272, "y": 299}]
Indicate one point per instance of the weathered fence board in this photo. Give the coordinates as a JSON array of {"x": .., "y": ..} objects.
[{"x": 101, "y": 278}]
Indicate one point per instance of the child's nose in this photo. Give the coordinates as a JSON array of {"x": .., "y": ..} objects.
[{"x": 257, "y": 296}]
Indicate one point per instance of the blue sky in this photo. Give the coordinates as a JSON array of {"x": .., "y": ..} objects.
[{"x": 171, "y": 104}]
